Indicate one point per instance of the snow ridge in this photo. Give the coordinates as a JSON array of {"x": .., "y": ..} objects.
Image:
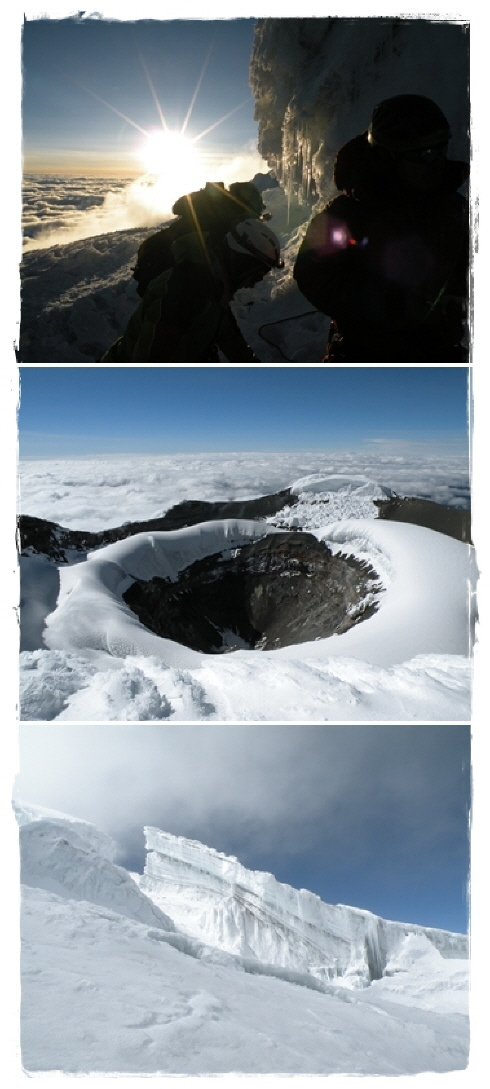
[{"x": 70, "y": 858}]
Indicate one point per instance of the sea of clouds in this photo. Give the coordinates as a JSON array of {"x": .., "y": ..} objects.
[
  {"x": 95, "y": 493},
  {"x": 62, "y": 208}
]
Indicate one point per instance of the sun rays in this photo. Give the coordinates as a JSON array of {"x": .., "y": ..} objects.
[{"x": 169, "y": 154}]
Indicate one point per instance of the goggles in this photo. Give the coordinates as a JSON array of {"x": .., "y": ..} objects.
[{"x": 424, "y": 155}]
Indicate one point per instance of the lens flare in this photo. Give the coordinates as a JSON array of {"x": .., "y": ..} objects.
[{"x": 175, "y": 163}]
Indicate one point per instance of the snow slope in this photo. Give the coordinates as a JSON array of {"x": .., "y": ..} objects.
[
  {"x": 61, "y": 858},
  {"x": 140, "y": 997},
  {"x": 108, "y": 624},
  {"x": 77, "y": 297},
  {"x": 410, "y": 660}
]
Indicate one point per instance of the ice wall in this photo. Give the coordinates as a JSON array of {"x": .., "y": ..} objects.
[
  {"x": 212, "y": 896},
  {"x": 316, "y": 82}
]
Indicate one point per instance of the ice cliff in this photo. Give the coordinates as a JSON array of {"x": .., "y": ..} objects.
[
  {"x": 316, "y": 82},
  {"x": 248, "y": 913},
  {"x": 212, "y": 908}
]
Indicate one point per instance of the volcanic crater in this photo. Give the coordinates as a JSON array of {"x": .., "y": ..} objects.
[{"x": 283, "y": 589}]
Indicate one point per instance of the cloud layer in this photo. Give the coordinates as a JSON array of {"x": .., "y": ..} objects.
[
  {"x": 92, "y": 493},
  {"x": 61, "y": 208}
]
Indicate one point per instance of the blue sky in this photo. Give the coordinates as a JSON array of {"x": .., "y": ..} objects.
[
  {"x": 71, "y": 65},
  {"x": 397, "y": 841},
  {"x": 71, "y": 411},
  {"x": 372, "y": 817}
]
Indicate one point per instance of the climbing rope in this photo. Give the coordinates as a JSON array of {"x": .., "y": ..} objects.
[{"x": 280, "y": 321}]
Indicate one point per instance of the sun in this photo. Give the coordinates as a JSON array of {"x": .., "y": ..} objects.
[{"x": 174, "y": 160}]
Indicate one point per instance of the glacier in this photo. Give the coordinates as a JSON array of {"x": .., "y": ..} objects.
[
  {"x": 142, "y": 994},
  {"x": 249, "y": 913}
]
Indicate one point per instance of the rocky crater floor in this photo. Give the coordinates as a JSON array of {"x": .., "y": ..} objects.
[{"x": 284, "y": 589}]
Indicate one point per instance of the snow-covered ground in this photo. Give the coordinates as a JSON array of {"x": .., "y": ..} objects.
[
  {"x": 139, "y": 994},
  {"x": 94, "y": 660},
  {"x": 77, "y": 297}
]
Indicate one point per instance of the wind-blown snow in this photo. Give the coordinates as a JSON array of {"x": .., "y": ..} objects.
[
  {"x": 141, "y": 995},
  {"x": 410, "y": 660}
]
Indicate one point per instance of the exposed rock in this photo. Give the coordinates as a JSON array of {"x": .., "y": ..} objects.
[
  {"x": 423, "y": 512},
  {"x": 284, "y": 589},
  {"x": 54, "y": 541},
  {"x": 50, "y": 539}
]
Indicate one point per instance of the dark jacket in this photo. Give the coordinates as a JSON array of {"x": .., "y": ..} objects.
[
  {"x": 184, "y": 316},
  {"x": 387, "y": 263}
]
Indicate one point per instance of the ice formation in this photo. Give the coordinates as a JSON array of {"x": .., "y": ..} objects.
[
  {"x": 249, "y": 913},
  {"x": 332, "y": 74}
]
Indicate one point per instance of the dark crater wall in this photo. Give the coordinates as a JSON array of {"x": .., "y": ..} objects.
[
  {"x": 424, "y": 512},
  {"x": 53, "y": 540},
  {"x": 284, "y": 589}
]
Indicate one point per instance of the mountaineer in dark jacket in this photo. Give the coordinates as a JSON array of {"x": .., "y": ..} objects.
[
  {"x": 387, "y": 260},
  {"x": 184, "y": 315}
]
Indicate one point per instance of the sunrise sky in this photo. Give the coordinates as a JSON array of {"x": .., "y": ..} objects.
[{"x": 106, "y": 96}]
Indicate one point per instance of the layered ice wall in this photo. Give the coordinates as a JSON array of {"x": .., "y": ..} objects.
[
  {"x": 316, "y": 82},
  {"x": 212, "y": 896}
]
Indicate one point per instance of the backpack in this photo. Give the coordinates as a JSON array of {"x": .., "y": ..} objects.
[
  {"x": 215, "y": 209},
  {"x": 155, "y": 254}
]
